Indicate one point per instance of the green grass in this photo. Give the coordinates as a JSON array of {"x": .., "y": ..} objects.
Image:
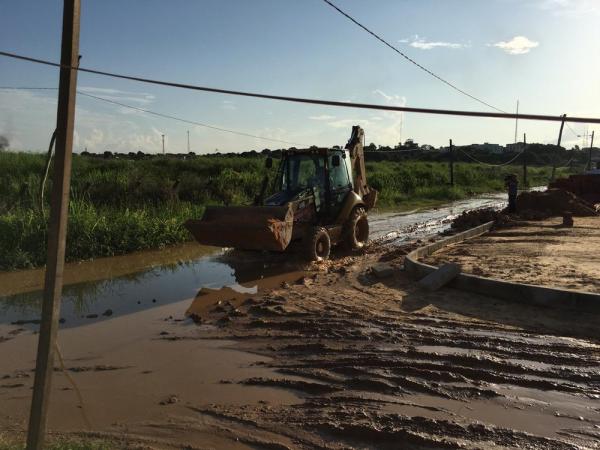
[
  {"x": 120, "y": 206},
  {"x": 75, "y": 443}
]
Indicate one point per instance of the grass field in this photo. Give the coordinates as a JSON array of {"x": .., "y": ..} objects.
[
  {"x": 119, "y": 205},
  {"x": 75, "y": 443}
]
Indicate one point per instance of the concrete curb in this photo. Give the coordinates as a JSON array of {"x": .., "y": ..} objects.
[{"x": 505, "y": 290}]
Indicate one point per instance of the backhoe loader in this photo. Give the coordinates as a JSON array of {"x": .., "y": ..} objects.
[{"x": 320, "y": 200}]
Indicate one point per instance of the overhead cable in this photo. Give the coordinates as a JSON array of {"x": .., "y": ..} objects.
[
  {"x": 166, "y": 116},
  {"x": 408, "y": 58},
  {"x": 493, "y": 165},
  {"x": 310, "y": 100}
]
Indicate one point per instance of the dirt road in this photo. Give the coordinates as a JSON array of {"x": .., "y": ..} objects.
[{"x": 334, "y": 358}]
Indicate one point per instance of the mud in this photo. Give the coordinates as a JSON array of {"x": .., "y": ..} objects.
[
  {"x": 380, "y": 362},
  {"x": 541, "y": 252},
  {"x": 328, "y": 357}
]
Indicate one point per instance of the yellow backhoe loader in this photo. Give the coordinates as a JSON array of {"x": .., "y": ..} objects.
[{"x": 320, "y": 199}]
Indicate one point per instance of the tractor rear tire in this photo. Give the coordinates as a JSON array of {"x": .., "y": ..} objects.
[
  {"x": 316, "y": 244},
  {"x": 357, "y": 229}
]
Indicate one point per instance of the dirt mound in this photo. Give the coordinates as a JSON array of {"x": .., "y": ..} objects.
[
  {"x": 553, "y": 202},
  {"x": 585, "y": 186},
  {"x": 475, "y": 217}
]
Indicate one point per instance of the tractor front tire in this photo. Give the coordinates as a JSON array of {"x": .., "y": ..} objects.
[
  {"x": 317, "y": 244},
  {"x": 357, "y": 229}
]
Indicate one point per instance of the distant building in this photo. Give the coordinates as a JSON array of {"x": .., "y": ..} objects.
[
  {"x": 409, "y": 144},
  {"x": 516, "y": 147},
  {"x": 489, "y": 148}
]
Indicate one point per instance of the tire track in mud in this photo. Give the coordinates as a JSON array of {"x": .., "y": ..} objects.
[{"x": 374, "y": 372}]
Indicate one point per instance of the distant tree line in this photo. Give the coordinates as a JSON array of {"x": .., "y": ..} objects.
[{"x": 537, "y": 154}]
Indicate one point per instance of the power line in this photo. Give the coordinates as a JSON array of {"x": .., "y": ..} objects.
[
  {"x": 313, "y": 101},
  {"x": 166, "y": 116},
  {"x": 493, "y": 165},
  {"x": 192, "y": 122},
  {"x": 571, "y": 129},
  {"x": 409, "y": 59}
]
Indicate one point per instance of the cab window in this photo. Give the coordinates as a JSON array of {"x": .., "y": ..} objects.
[{"x": 338, "y": 176}]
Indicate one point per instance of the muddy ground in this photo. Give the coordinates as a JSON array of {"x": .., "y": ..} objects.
[
  {"x": 328, "y": 358},
  {"x": 541, "y": 252}
]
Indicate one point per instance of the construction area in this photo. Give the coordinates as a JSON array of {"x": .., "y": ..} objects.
[
  {"x": 284, "y": 309},
  {"x": 348, "y": 352}
]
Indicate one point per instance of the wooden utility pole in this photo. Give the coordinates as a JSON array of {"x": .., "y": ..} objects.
[
  {"x": 451, "y": 164},
  {"x": 590, "y": 154},
  {"x": 560, "y": 133},
  {"x": 57, "y": 228},
  {"x": 524, "y": 160}
]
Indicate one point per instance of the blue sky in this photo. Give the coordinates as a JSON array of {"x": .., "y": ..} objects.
[{"x": 543, "y": 52}]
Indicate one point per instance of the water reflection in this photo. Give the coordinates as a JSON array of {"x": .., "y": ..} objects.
[
  {"x": 126, "y": 294},
  {"x": 130, "y": 293},
  {"x": 131, "y": 283}
]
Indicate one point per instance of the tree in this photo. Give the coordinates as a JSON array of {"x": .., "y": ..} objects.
[{"x": 3, "y": 142}]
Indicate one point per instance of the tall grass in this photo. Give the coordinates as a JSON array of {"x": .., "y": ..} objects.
[
  {"x": 15, "y": 442},
  {"x": 119, "y": 206}
]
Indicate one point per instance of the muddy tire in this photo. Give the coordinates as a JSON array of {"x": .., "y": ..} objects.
[
  {"x": 357, "y": 229},
  {"x": 316, "y": 244}
]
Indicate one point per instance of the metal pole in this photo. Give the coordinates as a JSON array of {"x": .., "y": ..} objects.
[
  {"x": 590, "y": 154},
  {"x": 57, "y": 228},
  {"x": 163, "y": 143},
  {"x": 451, "y": 164},
  {"x": 560, "y": 133},
  {"x": 524, "y": 160},
  {"x": 188, "y": 134},
  {"x": 517, "y": 122}
]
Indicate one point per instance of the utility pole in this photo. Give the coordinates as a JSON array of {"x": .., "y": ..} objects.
[
  {"x": 188, "y": 135},
  {"x": 517, "y": 122},
  {"x": 57, "y": 227},
  {"x": 524, "y": 160},
  {"x": 590, "y": 154},
  {"x": 163, "y": 143},
  {"x": 560, "y": 133},
  {"x": 451, "y": 164}
]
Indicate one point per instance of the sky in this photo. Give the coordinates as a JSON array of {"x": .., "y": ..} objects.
[{"x": 544, "y": 53}]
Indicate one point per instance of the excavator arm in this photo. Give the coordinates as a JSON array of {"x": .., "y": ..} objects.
[{"x": 357, "y": 156}]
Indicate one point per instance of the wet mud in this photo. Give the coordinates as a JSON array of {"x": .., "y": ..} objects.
[
  {"x": 379, "y": 362},
  {"x": 270, "y": 354}
]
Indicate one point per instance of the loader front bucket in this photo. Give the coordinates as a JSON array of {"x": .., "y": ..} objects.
[{"x": 244, "y": 227}]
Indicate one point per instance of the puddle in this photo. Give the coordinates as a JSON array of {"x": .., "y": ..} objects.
[
  {"x": 401, "y": 227},
  {"x": 110, "y": 287},
  {"x": 126, "y": 294},
  {"x": 126, "y": 372}
]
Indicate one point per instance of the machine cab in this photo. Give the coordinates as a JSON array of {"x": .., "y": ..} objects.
[{"x": 323, "y": 174}]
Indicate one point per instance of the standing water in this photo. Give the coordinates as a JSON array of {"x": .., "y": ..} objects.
[{"x": 122, "y": 285}]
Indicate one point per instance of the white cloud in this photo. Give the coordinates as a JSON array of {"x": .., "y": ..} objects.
[
  {"x": 573, "y": 8},
  {"x": 519, "y": 45},
  {"x": 141, "y": 98},
  {"x": 384, "y": 128},
  {"x": 423, "y": 44},
  {"x": 229, "y": 105},
  {"x": 322, "y": 117}
]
